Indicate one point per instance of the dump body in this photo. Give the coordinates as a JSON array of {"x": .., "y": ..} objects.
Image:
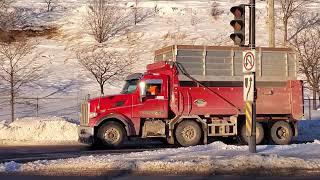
[
  {"x": 286, "y": 100},
  {"x": 224, "y": 63},
  {"x": 282, "y": 98}
]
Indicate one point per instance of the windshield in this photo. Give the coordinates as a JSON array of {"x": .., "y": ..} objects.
[{"x": 130, "y": 86}]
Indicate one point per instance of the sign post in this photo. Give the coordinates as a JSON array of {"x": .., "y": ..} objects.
[
  {"x": 250, "y": 57},
  {"x": 249, "y": 68}
]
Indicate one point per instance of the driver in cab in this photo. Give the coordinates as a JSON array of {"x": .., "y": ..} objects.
[{"x": 152, "y": 90}]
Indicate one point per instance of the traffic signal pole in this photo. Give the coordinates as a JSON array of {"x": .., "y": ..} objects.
[
  {"x": 252, "y": 25},
  {"x": 249, "y": 65},
  {"x": 252, "y": 45}
]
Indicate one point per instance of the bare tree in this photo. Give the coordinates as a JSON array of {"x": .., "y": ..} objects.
[
  {"x": 11, "y": 21},
  {"x": 50, "y": 4},
  {"x": 290, "y": 9},
  {"x": 105, "y": 20},
  {"x": 215, "y": 11},
  {"x": 105, "y": 66},
  {"x": 156, "y": 8},
  {"x": 7, "y": 17},
  {"x": 195, "y": 19},
  {"x": 307, "y": 45},
  {"x": 305, "y": 20},
  {"x": 19, "y": 66},
  {"x": 4, "y": 4},
  {"x": 139, "y": 14}
]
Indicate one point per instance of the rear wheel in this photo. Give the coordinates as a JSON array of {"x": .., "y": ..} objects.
[
  {"x": 259, "y": 133},
  {"x": 188, "y": 133},
  {"x": 111, "y": 134},
  {"x": 281, "y": 133}
]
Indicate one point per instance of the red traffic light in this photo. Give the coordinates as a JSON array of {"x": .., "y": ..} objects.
[{"x": 237, "y": 11}]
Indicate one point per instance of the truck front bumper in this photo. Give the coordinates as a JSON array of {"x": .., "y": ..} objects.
[{"x": 86, "y": 135}]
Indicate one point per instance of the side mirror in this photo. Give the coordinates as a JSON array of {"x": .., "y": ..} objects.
[{"x": 142, "y": 90}]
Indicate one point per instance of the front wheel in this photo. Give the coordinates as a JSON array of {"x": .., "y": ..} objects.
[
  {"x": 111, "y": 134},
  {"x": 188, "y": 133},
  {"x": 281, "y": 133}
]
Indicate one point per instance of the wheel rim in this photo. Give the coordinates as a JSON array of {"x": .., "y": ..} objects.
[
  {"x": 189, "y": 133},
  {"x": 111, "y": 135},
  {"x": 282, "y": 133}
]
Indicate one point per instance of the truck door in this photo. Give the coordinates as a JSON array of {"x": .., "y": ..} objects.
[{"x": 154, "y": 102}]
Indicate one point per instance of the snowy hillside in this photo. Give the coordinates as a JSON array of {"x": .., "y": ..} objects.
[{"x": 174, "y": 22}]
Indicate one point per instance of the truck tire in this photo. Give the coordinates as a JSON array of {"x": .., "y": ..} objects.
[
  {"x": 281, "y": 133},
  {"x": 259, "y": 133},
  {"x": 188, "y": 133},
  {"x": 111, "y": 134}
]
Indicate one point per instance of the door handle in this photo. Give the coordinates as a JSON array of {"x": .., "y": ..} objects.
[
  {"x": 268, "y": 92},
  {"x": 159, "y": 97}
]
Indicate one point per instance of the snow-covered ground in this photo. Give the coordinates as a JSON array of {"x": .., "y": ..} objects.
[{"x": 211, "y": 158}]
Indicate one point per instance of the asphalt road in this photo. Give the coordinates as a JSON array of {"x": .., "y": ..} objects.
[
  {"x": 12, "y": 153},
  {"x": 24, "y": 154},
  {"x": 156, "y": 177}
]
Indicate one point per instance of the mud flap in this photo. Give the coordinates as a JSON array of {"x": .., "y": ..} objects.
[
  {"x": 169, "y": 133},
  {"x": 296, "y": 132},
  {"x": 205, "y": 132}
]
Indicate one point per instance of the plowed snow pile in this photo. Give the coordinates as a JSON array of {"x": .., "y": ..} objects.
[{"x": 33, "y": 130}]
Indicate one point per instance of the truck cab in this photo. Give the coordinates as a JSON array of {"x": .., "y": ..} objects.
[{"x": 144, "y": 96}]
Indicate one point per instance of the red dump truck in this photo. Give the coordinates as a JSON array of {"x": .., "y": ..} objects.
[{"x": 191, "y": 93}]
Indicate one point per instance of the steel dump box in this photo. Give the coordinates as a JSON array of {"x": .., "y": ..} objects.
[{"x": 224, "y": 63}]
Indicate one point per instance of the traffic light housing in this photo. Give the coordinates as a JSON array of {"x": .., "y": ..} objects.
[{"x": 238, "y": 24}]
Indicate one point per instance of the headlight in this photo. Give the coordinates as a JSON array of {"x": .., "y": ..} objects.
[{"x": 93, "y": 115}]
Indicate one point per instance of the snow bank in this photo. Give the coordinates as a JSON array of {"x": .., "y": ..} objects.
[
  {"x": 51, "y": 130},
  {"x": 211, "y": 158}
]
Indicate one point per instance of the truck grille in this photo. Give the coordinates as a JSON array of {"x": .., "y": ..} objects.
[{"x": 84, "y": 113}]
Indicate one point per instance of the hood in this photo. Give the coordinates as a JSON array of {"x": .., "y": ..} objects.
[{"x": 107, "y": 102}]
